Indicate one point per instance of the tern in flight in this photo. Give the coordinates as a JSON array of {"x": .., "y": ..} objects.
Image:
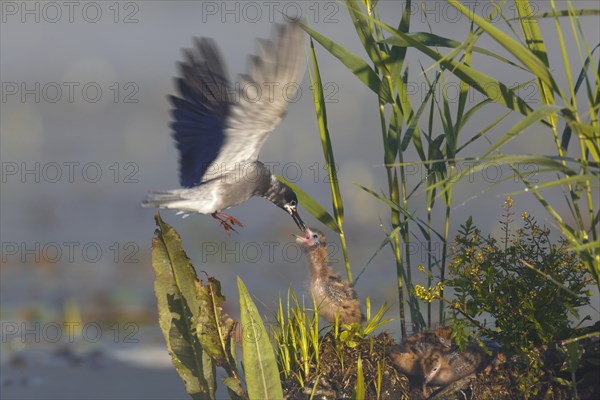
[{"x": 219, "y": 129}]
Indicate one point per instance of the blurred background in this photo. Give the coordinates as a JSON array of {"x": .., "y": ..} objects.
[{"x": 84, "y": 135}]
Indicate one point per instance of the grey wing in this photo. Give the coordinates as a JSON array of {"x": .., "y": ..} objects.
[
  {"x": 200, "y": 112},
  {"x": 263, "y": 96}
]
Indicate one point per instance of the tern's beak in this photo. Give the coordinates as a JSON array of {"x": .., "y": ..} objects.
[{"x": 297, "y": 219}]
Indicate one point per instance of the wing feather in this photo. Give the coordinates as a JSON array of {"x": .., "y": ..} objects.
[{"x": 216, "y": 127}]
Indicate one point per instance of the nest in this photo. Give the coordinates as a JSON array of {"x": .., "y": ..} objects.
[
  {"x": 335, "y": 378},
  {"x": 336, "y": 375}
]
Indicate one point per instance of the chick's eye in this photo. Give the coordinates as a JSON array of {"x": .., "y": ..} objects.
[{"x": 315, "y": 236}]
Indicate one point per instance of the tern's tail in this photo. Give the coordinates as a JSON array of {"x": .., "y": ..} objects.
[{"x": 172, "y": 199}]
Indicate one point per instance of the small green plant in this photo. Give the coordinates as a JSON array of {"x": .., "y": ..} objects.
[
  {"x": 574, "y": 353},
  {"x": 200, "y": 336},
  {"x": 307, "y": 360},
  {"x": 528, "y": 286},
  {"x": 522, "y": 291},
  {"x": 297, "y": 338},
  {"x": 353, "y": 334}
]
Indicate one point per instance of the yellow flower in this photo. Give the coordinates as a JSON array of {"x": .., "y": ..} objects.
[
  {"x": 524, "y": 215},
  {"x": 419, "y": 291},
  {"x": 428, "y": 294},
  {"x": 508, "y": 202},
  {"x": 421, "y": 268},
  {"x": 473, "y": 271}
]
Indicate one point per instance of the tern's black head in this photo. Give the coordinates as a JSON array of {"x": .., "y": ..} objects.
[
  {"x": 281, "y": 195},
  {"x": 286, "y": 199}
]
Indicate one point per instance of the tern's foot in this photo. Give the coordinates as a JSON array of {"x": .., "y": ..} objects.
[
  {"x": 228, "y": 218},
  {"x": 225, "y": 222}
]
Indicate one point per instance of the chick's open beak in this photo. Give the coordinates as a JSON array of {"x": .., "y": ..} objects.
[{"x": 304, "y": 238}]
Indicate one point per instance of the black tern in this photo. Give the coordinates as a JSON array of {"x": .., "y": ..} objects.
[{"x": 219, "y": 129}]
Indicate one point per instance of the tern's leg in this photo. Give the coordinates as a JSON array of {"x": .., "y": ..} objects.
[
  {"x": 228, "y": 218},
  {"x": 228, "y": 228}
]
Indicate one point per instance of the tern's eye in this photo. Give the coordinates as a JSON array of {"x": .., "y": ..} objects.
[{"x": 293, "y": 203}]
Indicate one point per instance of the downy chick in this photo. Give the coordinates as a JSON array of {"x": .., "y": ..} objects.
[
  {"x": 408, "y": 356},
  {"x": 444, "y": 367},
  {"x": 332, "y": 294}
]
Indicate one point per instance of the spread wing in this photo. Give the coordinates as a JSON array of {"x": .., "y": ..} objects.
[
  {"x": 217, "y": 127},
  {"x": 200, "y": 114}
]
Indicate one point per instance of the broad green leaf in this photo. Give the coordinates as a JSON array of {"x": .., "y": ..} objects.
[
  {"x": 484, "y": 130},
  {"x": 562, "y": 13},
  {"x": 566, "y": 135},
  {"x": 526, "y": 56},
  {"x": 338, "y": 205},
  {"x": 355, "y": 64},
  {"x": 359, "y": 389},
  {"x": 395, "y": 199},
  {"x": 574, "y": 352},
  {"x": 590, "y": 135},
  {"x": 391, "y": 138},
  {"x": 477, "y": 164},
  {"x": 336, "y": 196},
  {"x": 535, "y": 42},
  {"x": 209, "y": 373},
  {"x": 464, "y": 90},
  {"x": 481, "y": 82},
  {"x": 563, "y": 181},
  {"x": 396, "y": 207},
  {"x": 587, "y": 246},
  {"x": 312, "y": 206},
  {"x": 411, "y": 133},
  {"x": 377, "y": 321},
  {"x": 539, "y": 114},
  {"x": 487, "y": 85},
  {"x": 361, "y": 25},
  {"x": 433, "y": 40},
  {"x": 401, "y": 106},
  {"x": 449, "y": 132},
  {"x": 398, "y": 54},
  {"x": 234, "y": 387},
  {"x": 215, "y": 331},
  {"x": 175, "y": 287},
  {"x": 262, "y": 374}
]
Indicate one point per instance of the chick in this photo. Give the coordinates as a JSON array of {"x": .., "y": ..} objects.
[
  {"x": 440, "y": 337},
  {"x": 407, "y": 360},
  {"x": 333, "y": 296},
  {"x": 444, "y": 367},
  {"x": 408, "y": 356}
]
